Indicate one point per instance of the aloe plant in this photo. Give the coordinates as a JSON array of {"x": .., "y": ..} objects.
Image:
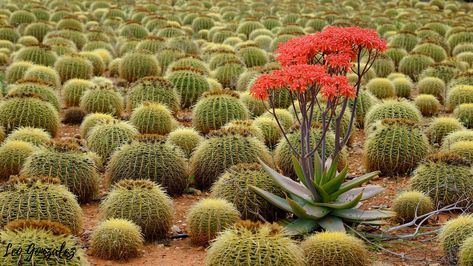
[{"x": 314, "y": 73}]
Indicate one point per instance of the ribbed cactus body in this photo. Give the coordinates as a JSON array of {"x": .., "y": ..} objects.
[
  {"x": 73, "y": 67},
  {"x": 102, "y": 99},
  {"x": 153, "y": 89}
]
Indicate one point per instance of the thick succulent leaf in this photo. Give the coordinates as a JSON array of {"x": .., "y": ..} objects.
[
  {"x": 318, "y": 169},
  {"x": 335, "y": 183},
  {"x": 299, "y": 226},
  {"x": 298, "y": 169},
  {"x": 316, "y": 211},
  {"x": 273, "y": 199},
  {"x": 368, "y": 192},
  {"x": 298, "y": 210},
  {"x": 341, "y": 205},
  {"x": 288, "y": 184},
  {"x": 325, "y": 196},
  {"x": 356, "y": 182},
  {"x": 362, "y": 215},
  {"x": 331, "y": 165},
  {"x": 332, "y": 224}
]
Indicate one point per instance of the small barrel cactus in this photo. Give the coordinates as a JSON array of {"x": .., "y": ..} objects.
[
  {"x": 222, "y": 149},
  {"x": 411, "y": 204},
  {"x": 40, "y": 198},
  {"x": 285, "y": 118},
  {"x": 403, "y": 87},
  {"x": 37, "y": 87},
  {"x": 427, "y": 104},
  {"x": 16, "y": 70},
  {"x": 64, "y": 160},
  {"x": 190, "y": 85},
  {"x": 108, "y": 136},
  {"x": 464, "y": 114},
  {"x": 216, "y": 108},
  {"x": 41, "y": 235},
  {"x": 27, "y": 109},
  {"x": 228, "y": 73},
  {"x": 458, "y": 95},
  {"x": 383, "y": 65},
  {"x": 463, "y": 149},
  {"x": 137, "y": 65},
  {"x": 381, "y": 88},
  {"x": 92, "y": 120},
  {"x": 187, "y": 139},
  {"x": 35, "y": 136},
  {"x": 445, "y": 177},
  {"x": 392, "y": 109},
  {"x": 142, "y": 202},
  {"x": 255, "y": 106},
  {"x": 73, "y": 67},
  {"x": 151, "y": 158},
  {"x": 102, "y": 99},
  {"x": 395, "y": 146},
  {"x": 455, "y": 136},
  {"x": 37, "y": 54},
  {"x": 453, "y": 234},
  {"x": 249, "y": 243},
  {"x": 440, "y": 127},
  {"x": 116, "y": 239},
  {"x": 413, "y": 65},
  {"x": 73, "y": 90},
  {"x": 465, "y": 254},
  {"x": 43, "y": 74},
  {"x": 13, "y": 154},
  {"x": 233, "y": 186},
  {"x": 208, "y": 217},
  {"x": 335, "y": 248},
  {"x": 270, "y": 129},
  {"x": 432, "y": 85},
  {"x": 245, "y": 125},
  {"x": 153, "y": 118},
  {"x": 153, "y": 89}
]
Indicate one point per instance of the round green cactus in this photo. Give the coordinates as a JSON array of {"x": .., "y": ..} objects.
[
  {"x": 37, "y": 54},
  {"x": 21, "y": 17},
  {"x": 151, "y": 158},
  {"x": 452, "y": 236},
  {"x": 234, "y": 186},
  {"x": 133, "y": 30},
  {"x": 188, "y": 62},
  {"x": 463, "y": 149},
  {"x": 16, "y": 71},
  {"x": 445, "y": 177},
  {"x": 142, "y": 202},
  {"x": 208, "y": 217},
  {"x": 92, "y": 120},
  {"x": 403, "y": 87},
  {"x": 411, "y": 204},
  {"x": 116, "y": 239},
  {"x": 392, "y": 109},
  {"x": 13, "y": 154},
  {"x": 223, "y": 149},
  {"x": 445, "y": 71},
  {"x": 187, "y": 139},
  {"x": 381, "y": 88},
  {"x": 202, "y": 23},
  {"x": 153, "y": 118},
  {"x": 76, "y": 170},
  {"x": 245, "y": 125},
  {"x": 37, "y": 30},
  {"x": 37, "y": 87},
  {"x": 9, "y": 33},
  {"x": 255, "y": 106},
  {"x": 190, "y": 84},
  {"x": 73, "y": 90},
  {"x": 271, "y": 131},
  {"x": 41, "y": 235},
  {"x": 432, "y": 50},
  {"x": 43, "y": 74},
  {"x": 73, "y": 67},
  {"x": 427, "y": 104},
  {"x": 96, "y": 61},
  {"x": 440, "y": 127},
  {"x": 102, "y": 99},
  {"x": 464, "y": 255},
  {"x": 70, "y": 22},
  {"x": 153, "y": 89},
  {"x": 395, "y": 147},
  {"x": 464, "y": 114},
  {"x": 253, "y": 56},
  {"x": 432, "y": 85},
  {"x": 167, "y": 56},
  {"x": 406, "y": 40},
  {"x": 383, "y": 65},
  {"x": 216, "y": 108},
  {"x": 396, "y": 54},
  {"x": 466, "y": 57},
  {"x": 335, "y": 248},
  {"x": 458, "y": 95},
  {"x": 460, "y": 37},
  {"x": 40, "y": 198},
  {"x": 152, "y": 44},
  {"x": 285, "y": 118},
  {"x": 455, "y": 136},
  {"x": 137, "y": 65},
  {"x": 107, "y": 136},
  {"x": 250, "y": 243},
  {"x": 35, "y": 136},
  {"x": 229, "y": 73},
  {"x": 462, "y": 47},
  {"x": 26, "y": 109},
  {"x": 413, "y": 65}
]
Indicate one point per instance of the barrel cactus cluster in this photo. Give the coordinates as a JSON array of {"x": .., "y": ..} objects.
[{"x": 134, "y": 120}]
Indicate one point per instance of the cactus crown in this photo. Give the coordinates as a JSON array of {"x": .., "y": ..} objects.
[
  {"x": 54, "y": 227},
  {"x": 398, "y": 121},
  {"x": 31, "y": 180},
  {"x": 139, "y": 183},
  {"x": 25, "y": 95},
  {"x": 449, "y": 158},
  {"x": 270, "y": 229},
  {"x": 223, "y": 132},
  {"x": 35, "y": 81},
  {"x": 151, "y": 138},
  {"x": 220, "y": 92},
  {"x": 154, "y": 81},
  {"x": 65, "y": 145},
  {"x": 188, "y": 68}
]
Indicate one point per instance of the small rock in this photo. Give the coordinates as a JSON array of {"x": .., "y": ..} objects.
[{"x": 176, "y": 229}]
